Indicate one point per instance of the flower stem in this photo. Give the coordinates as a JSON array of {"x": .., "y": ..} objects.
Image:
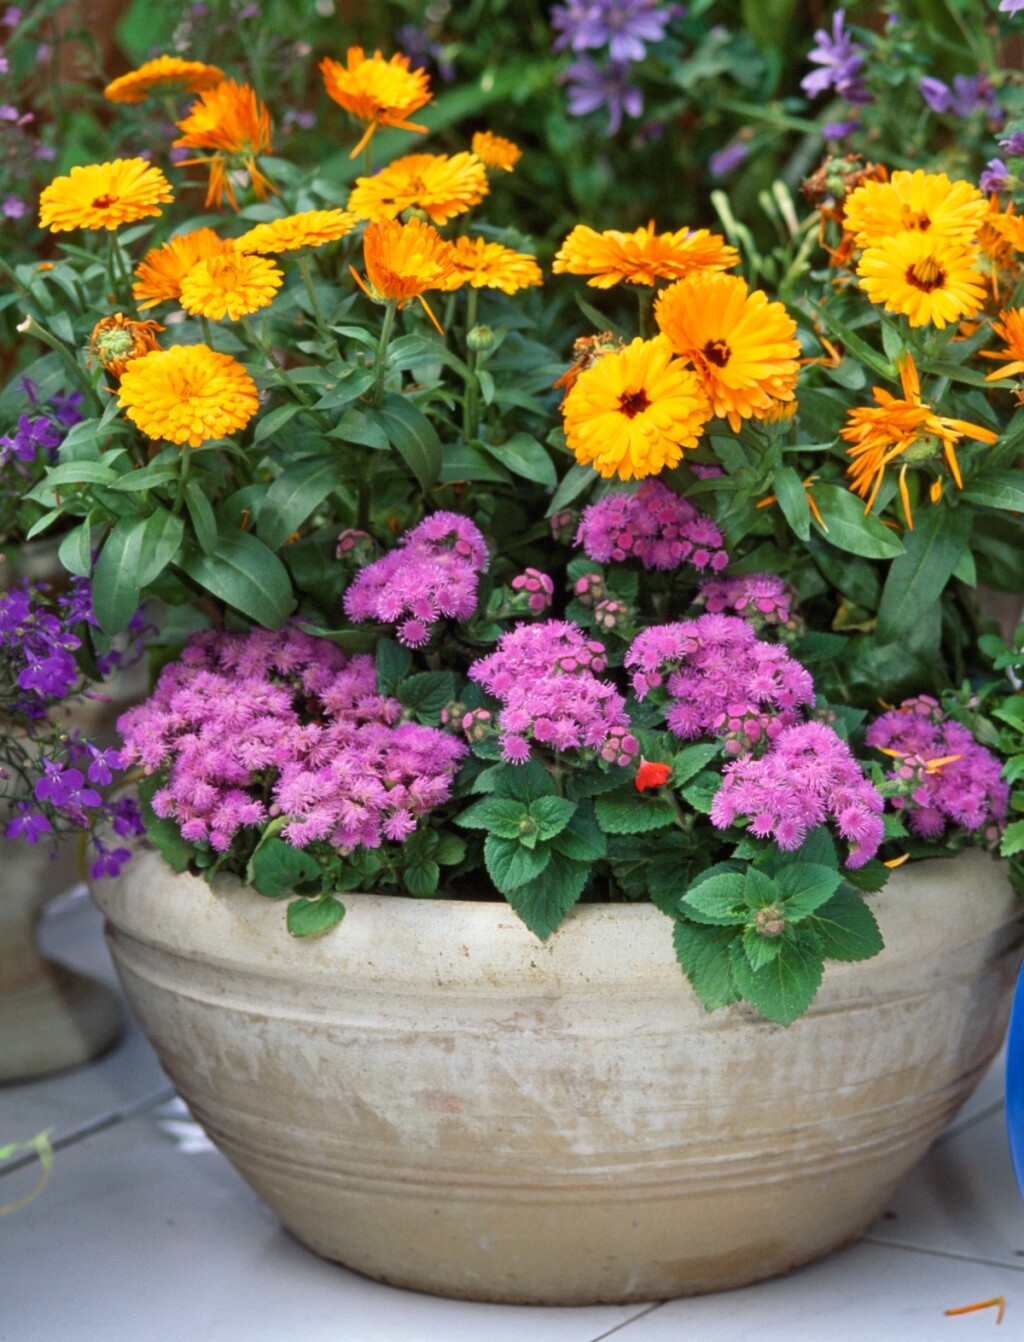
[
  {"x": 265, "y": 349},
  {"x": 645, "y": 309},
  {"x": 471, "y": 403},
  {"x": 31, "y": 327},
  {"x": 390, "y": 308},
  {"x": 186, "y": 464},
  {"x": 306, "y": 271}
]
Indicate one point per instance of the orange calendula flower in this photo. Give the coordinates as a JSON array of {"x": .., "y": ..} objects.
[
  {"x": 104, "y": 195},
  {"x": 632, "y": 413},
  {"x": 117, "y": 340},
  {"x": 928, "y": 279},
  {"x": 311, "y": 228},
  {"x": 164, "y": 74},
  {"x": 187, "y": 394},
  {"x": 489, "y": 265},
  {"x": 641, "y": 257},
  {"x": 380, "y": 92},
  {"x": 405, "y": 260},
  {"x": 1009, "y": 328},
  {"x": 231, "y": 122},
  {"x": 160, "y": 272},
  {"x": 743, "y": 347},
  {"x": 440, "y": 186},
  {"x": 231, "y": 284},
  {"x": 495, "y": 151},
  {"x": 906, "y": 428},
  {"x": 914, "y": 202}
]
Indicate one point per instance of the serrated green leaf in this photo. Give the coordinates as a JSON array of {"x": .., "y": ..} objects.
[
  {"x": 869, "y": 878},
  {"x": 700, "y": 793},
  {"x": 392, "y": 663},
  {"x": 689, "y": 762},
  {"x": 450, "y": 850},
  {"x": 421, "y": 880},
  {"x": 784, "y": 988},
  {"x": 544, "y": 901},
  {"x": 582, "y": 839},
  {"x": 846, "y": 927},
  {"x": 759, "y": 890},
  {"x": 551, "y": 815},
  {"x": 717, "y": 898},
  {"x": 510, "y": 865},
  {"x": 498, "y": 815},
  {"x": 703, "y": 955},
  {"x": 524, "y": 782},
  {"x": 426, "y": 693},
  {"x": 805, "y": 886},
  {"x": 918, "y": 577},
  {"x": 310, "y": 917},
  {"x": 627, "y": 811},
  {"x": 759, "y": 949},
  {"x": 295, "y": 493},
  {"x": 1013, "y": 839}
]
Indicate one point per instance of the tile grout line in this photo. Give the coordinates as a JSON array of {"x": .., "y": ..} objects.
[
  {"x": 941, "y": 1253},
  {"x": 658, "y": 1304},
  {"x": 95, "y": 1125}
]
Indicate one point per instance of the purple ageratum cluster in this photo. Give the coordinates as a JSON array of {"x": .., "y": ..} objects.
[
  {"x": 432, "y": 573},
  {"x": 806, "y": 778},
  {"x": 947, "y": 775},
  {"x": 655, "y": 526},
  {"x": 546, "y": 677},
  {"x": 759, "y": 598},
  {"x": 252, "y": 727},
  {"x": 720, "y": 680}
]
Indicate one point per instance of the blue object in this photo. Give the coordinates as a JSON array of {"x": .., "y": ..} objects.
[{"x": 1015, "y": 1083}]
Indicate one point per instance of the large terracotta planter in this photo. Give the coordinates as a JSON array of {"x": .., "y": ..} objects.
[{"x": 434, "y": 1098}]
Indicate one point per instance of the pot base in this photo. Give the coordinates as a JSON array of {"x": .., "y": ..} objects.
[{"x": 58, "y": 1020}]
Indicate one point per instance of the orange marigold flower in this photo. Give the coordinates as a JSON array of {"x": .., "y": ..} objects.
[
  {"x": 104, "y": 195},
  {"x": 164, "y": 74},
  {"x": 440, "y": 186},
  {"x": 234, "y": 124},
  {"x": 641, "y": 257},
  {"x": 489, "y": 265},
  {"x": 404, "y": 260},
  {"x": 914, "y": 202},
  {"x": 161, "y": 271},
  {"x": 380, "y": 92},
  {"x": 651, "y": 773},
  {"x": 743, "y": 347},
  {"x": 1009, "y": 328},
  {"x": 925, "y": 277},
  {"x": 118, "y": 339},
  {"x": 632, "y": 413},
  {"x": 311, "y": 228},
  {"x": 231, "y": 284},
  {"x": 495, "y": 151},
  {"x": 187, "y": 394},
  {"x": 907, "y": 428}
]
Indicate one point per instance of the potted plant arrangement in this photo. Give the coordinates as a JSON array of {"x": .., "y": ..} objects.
[{"x": 595, "y": 641}]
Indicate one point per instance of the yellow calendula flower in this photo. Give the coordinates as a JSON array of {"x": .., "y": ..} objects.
[
  {"x": 160, "y": 272},
  {"x": 439, "y": 185},
  {"x": 927, "y": 278},
  {"x": 187, "y": 394},
  {"x": 163, "y": 74},
  {"x": 234, "y": 125},
  {"x": 231, "y": 284},
  {"x": 117, "y": 340},
  {"x": 1009, "y": 328},
  {"x": 494, "y": 151},
  {"x": 403, "y": 261},
  {"x": 743, "y": 347},
  {"x": 311, "y": 228},
  {"x": 378, "y": 91},
  {"x": 914, "y": 202},
  {"x": 489, "y": 265},
  {"x": 906, "y": 428},
  {"x": 633, "y": 412},
  {"x": 641, "y": 257},
  {"x": 104, "y": 195}
]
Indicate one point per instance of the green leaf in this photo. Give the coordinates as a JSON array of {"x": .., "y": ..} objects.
[
  {"x": 161, "y": 831},
  {"x": 582, "y": 839},
  {"x": 690, "y": 761},
  {"x": 392, "y": 662},
  {"x": 846, "y": 927},
  {"x": 759, "y": 949},
  {"x": 576, "y": 481},
  {"x": 413, "y": 437},
  {"x": 525, "y": 457},
  {"x": 426, "y": 693},
  {"x": 356, "y": 426},
  {"x": 510, "y": 865},
  {"x": 856, "y": 346},
  {"x": 421, "y": 880},
  {"x": 115, "y": 581},
  {"x": 1013, "y": 839},
  {"x": 543, "y": 902},
  {"x": 792, "y": 497},
  {"x": 1002, "y": 489},
  {"x": 805, "y": 886},
  {"x": 870, "y": 878},
  {"x": 310, "y": 917},
  {"x": 784, "y": 988},
  {"x": 703, "y": 954},
  {"x": 348, "y": 388},
  {"x": 203, "y": 521},
  {"x": 717, "y": 898},
  {"x": 161, "y": 540},
  {"x": 75, "y": 550},
  {"x": 524, "y": 782},
  {"x": 149, "y": 477},
  {"x": 701, "y": 792},
  {"x": 850, "y": 528},
  {"x": 277, "y": 867},
  {"x": 917, "y": 578},
  {"x": 551, "y": 815},
  {"x": 627, "y": 811},
  {"x": 465, "y": 461},
  {"x": 450, "y": 850},
  {"x": 295, "y": 493},
  {"x": 499, "y": 815},
  {"x": 268, "y": 424},
  {"x": 243, "y": 573}
]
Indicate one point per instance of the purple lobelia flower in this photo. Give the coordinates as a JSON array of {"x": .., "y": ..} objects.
[
  {"x": 967, "y": 94},
  {"x": 841, "y": 61},
  {"x": 655, "y": 526},
  {"x": 622, "y": 27},
  {"x": 726, "y": 160},
  {"x": 1013, "y": 145},
  {"x": 36, "y": 437},
  {"x": 592, "y": 86},
  {"x": 994, "y": 177}
]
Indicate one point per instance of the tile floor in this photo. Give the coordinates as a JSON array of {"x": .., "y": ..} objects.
[{"x": 144, "y": 1233}]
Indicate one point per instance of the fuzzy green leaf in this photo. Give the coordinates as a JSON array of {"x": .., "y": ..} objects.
[
  {"x": 1013, "y": 839},
  {"x": 689, "y": 762},
  {"x": 627, "y": 811},
  {"x": 498, "y": 815},
  {"x": 783, "y": 988},
  {"x": 582, "y": 839},
  {"x": 703, "y": 954},
  {"x": 510, "y": 864},
  {"x": 717, "y": 898},
  {"x": 277, "y": 868},
  {"x": 310, "y": 917},
  {"x": 805, "y": 887},
  {"x": 543, "y": 902},
  {"x": 551, "y": 815},
  {"x": 846, "y": 927},
  {"x": 421, "y": 880}
]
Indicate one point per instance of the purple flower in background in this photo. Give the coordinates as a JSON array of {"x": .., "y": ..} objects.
[
  {"x": 423, "y": 51},
  {"x": 14, "y": 207},
  {"x": 1013, "y": 145},
  {"x": 27, "y": 824},
  {"x": 727, "y": 160},
  {"x": 994, "y": 178},
  {"x": 622, "y": 26},
  {"x": 839, "y": 130},
  {"x": 1011, "y": 6},
  {"x": 108, "y": 861},
  {"x": 35, "y": 436},
  {"x": 591, "y": 87},
  {"x": 967, "y": 94},
  {"x": 841, "y": 61}
]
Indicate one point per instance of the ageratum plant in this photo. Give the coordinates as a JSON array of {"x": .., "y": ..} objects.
[{"x": 511, "y": 589}]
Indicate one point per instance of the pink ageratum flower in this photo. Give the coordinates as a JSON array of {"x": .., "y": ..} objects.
[
  {"x": 655, "y": 526},
  {"x": 432, "y": 574},
  {"x": 947, "y": 775},
  {"x": 807, "y": 777},
  {"x": 760, "y": 598},
  {"x": 546, "y": 677},
  {"x": 247, "y": 727}
]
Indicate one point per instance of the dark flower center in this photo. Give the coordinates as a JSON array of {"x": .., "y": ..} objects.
[
  {"x": 631, "y": 403},
  {"x": 103, "y": 202},
  {"x": 926, "y": 274},
  {"x": 717, "y": 352}
]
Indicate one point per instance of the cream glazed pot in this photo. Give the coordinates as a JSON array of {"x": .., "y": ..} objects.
[{"x": 433, "y": 1097}]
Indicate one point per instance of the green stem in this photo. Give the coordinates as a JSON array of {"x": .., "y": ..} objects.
[
  {"x": 186, "y": 465},
  {"x": 645, "y": 311},
  {"x": 306, "y": 271},
  {"x": 390, "y": 308},
  {"x": 32, "y": 328},
  {"x": 265, "y": 349},
  {"x": 207, "y": 333},
  {"x": 6, "y": 270},
  {"x": 471, "y": 402}
]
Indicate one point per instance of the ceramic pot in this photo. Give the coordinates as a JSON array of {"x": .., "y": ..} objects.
[{"x": 431, "y": 1096}]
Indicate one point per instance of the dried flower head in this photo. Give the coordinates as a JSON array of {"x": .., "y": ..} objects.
[
  {"x": 117, "y": 340},
  {"x": 234, "y": 125}
]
